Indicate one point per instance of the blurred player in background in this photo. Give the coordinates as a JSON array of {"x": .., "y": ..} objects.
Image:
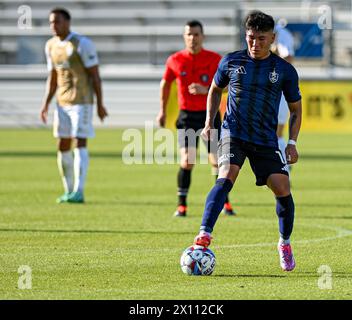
[
  {"x": 256, "y": 79},
  {"x": 284, "y": 48},
  {"x": 193, "y": 68},
  {"x": 74, "y": 78}
]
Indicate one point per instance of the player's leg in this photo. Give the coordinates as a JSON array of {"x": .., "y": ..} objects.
[
  {"x": 81, "y": 162},
  {"x": 213, "y": 160},
  {"x": 187, "y": 155},
  {"x": 231, "y": 158},
  {"x": 62, "y": 131},
  {"x": 280, "y": 186},
  {"x": 285, "y": 210},
  {"x": 212, "y": 148},
  {"x": 82, "y": 128},
  {"x": 271, "y": 169},
  {"x": 188, "y": 142},
  {"x": 215, "y": 202},
  {"x": 65, "y": 165}
]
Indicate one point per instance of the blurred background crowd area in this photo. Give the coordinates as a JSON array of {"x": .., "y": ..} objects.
[
  {"x": 135, "y": 37},
  {"x": 147, "y": 31}
]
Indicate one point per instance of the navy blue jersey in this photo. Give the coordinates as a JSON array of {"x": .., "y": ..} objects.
[{"x": 255, "y": 88}]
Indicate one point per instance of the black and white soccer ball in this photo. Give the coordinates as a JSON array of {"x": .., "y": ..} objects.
[{"x": 198, "y": 261}]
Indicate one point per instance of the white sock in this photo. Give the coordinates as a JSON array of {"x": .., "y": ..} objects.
[
  {"x": 282, "y": 146},
  {"x": 283, "y": 241},
  {"x": 204, "y": 233},
  {"x": 81, "y": 161},
  {"x": 65, "y": 165}
]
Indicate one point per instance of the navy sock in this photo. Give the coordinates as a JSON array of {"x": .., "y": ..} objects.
[
  {"x": 285, "y": 210},
  {"x": 183, "y": 183},
  {"x": 227, "y": 196},
  {"x": 215, "y": 203}
]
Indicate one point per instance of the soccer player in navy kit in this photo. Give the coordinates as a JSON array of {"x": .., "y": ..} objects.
[{"x": 255, "y": 78}]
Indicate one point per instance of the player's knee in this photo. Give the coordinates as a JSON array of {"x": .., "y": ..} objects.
[
  {"x": 64, "y": 144},
  {"x": 282, "y": 191},
  {"x": 186, "y": 165},
  {"x": 81, "y": 143}
]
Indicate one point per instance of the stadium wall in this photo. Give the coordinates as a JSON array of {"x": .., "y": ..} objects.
[{"x": 131, "y": 94}]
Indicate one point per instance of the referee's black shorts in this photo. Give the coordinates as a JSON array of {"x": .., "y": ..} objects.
[
  {"x": 264, "y": 161},
  {"x": 190, "y": 125}
]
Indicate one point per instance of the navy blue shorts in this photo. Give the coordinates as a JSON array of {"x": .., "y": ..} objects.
[{"x": 264, "y": 161}]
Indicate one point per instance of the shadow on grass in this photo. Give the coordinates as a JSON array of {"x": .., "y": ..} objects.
[
  {"x": 46, "y": 154},
  {"x": 118, "y": 154},
  {"x": 120, "y": 202},
  {"x": 298, "y": 205},
  {"x": 97, "y": 231},
  {"x": 294, "y": 274},
  {"x": 248, "y": 276}
]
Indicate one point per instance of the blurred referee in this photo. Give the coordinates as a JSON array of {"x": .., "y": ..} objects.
[{"x": 194, "y": 69}]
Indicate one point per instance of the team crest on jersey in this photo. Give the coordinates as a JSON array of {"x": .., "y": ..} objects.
[
  {"x": 204, "y": 77},
  {"x": 183, "y": 73},
  {"x": 273, "y": 76}
]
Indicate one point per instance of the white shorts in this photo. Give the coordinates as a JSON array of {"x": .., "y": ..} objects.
[
  {"x": 283, "y": 111},
  {"x": 74, "y": 121}
]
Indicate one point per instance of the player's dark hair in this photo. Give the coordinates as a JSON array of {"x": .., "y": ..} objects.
[
  {"x": 259, "y": 21},
  {"x": 195, "y": 23},
  {"x": 63, "y": 12}
]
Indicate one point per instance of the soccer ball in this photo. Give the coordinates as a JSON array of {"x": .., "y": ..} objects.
[{"x": 198, "y": 261}]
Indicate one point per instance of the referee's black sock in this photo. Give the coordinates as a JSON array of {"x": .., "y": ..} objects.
[{"x": 183, "y": 183}]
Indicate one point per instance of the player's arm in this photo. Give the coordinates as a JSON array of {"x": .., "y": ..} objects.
[
  {"x": 96, "y": 82},
  {"x": 294, "y": 127},
  {"x": 51, "y": 85},
  {"x": 165, "y": 88},
  {"x": 213, "y": 104}
]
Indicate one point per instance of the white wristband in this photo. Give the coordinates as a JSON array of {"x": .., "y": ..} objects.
[{"x": 293, "y": 142}]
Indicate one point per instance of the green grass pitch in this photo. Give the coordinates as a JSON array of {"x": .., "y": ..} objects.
[{"x": 125, "y": 244}]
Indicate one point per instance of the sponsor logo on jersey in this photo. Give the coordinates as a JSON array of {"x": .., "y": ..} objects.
[{"x": 240, "y": 70}]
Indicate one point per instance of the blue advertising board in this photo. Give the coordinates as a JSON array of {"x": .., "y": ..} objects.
[{"x": 308, "y": 41}]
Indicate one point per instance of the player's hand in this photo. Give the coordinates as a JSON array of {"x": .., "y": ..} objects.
[
  {"x": 196, "y": 88},
  {"x": 44, "y": 113},
  {"x": 291, "y": 154},
  {"x": 161, "y": 119},
  {"x": 207, "y": 133},
  {"x": 102, "y": 113}
]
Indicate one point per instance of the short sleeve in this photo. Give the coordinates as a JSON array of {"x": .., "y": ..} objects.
[
  {"x": 49, "y": 63},
  {"x": 169, "y": 74},
  {"x": 88, "y": 53},
  {"x": 290, "y": 87},
  {"x": 221, "y": 77}
]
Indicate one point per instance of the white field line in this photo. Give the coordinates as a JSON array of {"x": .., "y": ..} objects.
[{"x": 340, "y": 233}]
